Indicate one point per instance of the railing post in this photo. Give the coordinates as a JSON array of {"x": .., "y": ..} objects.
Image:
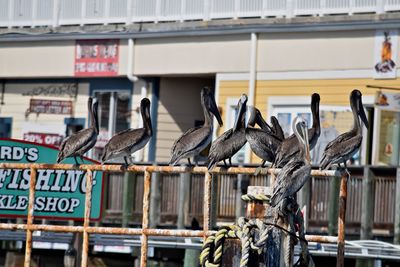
[
  {"x": 145, "y": 219},
  {"x": 86, "y": 220},
  {"x": 183, "y": 10},
  {"x": 83, "y": 12},
  {"x": 237, "y": 9},
  {"x": 333, "y": 209},
  {"x": 56, "y": 13},
  {"x": 397, "y": 209},
  {"x": 342, "y": 219},
  {"x": 128, "y": 197},
  {"x": 106, "y": 12},
  {"x": 322, "y": 8},
  {"x": 29, "y": 221},
  {"x": 158, "y": 11},
  {"x": 34, "y": 13},
  {"x": 239, "y": 204},
  {"x": 380, "y": 6},
  {"x": 155, "y": 199},
  {"x": 207, "y": 7},
  {"x": 128, "y": 12},
  {"x": 367, "y": 212},
  {"x": 290, "y": 8},
  {"x": 10, "y": 13},
  {"x": 351, "y": 6},
  {"x": 183, "y": 199},
  {"x": 207, "y": 202}
]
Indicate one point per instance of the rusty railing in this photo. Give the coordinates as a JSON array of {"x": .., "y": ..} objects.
[{"x": 145, "y": 231}]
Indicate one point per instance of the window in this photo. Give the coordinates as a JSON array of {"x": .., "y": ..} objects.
[
  {"x": 334, "y": 120},
  {"x": 114, "y": 116}
]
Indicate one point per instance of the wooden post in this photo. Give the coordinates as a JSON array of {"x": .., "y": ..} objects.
[
  {"x": 128, "y": 197},
  {"x": 239, "y": 205},
  {"x": 183, "y": 199},
  {"x": 397, "y": 211},
  {"x": 333, "y": 208},
  {"x": 278, "y": 243},
  {"x": 214, "y": 201},
  {"x": 155, "y": 199},
  {"x": 367, "y": 212},
  {"x": 342, "y": 219}
]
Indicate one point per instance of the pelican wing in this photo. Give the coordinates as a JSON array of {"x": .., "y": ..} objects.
[
  {"x": 339, "y": 139},
  {"x": 124, "y": 140},
  {"x": 290, "y": 180},
  {"x": 77, "y": 144},
  {"x": 340, "y": 150},
  {"x": 225, "y": 146},
  {"x": 189, "y": 141}
]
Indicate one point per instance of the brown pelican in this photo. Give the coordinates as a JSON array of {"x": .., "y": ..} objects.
[
  {"x": 263, "y": 142},
  {"x": 78, "y": 144},
  {"x": 196, "y": 139},
  {"x": 296, "y": 172},
  {"x": 126, "y": 142},
  {"x": 288, "y": 148},
  {"x": 276, "y": 128},
  {"x": 231, "y": 141},
  {"x": 343, "y": 147}
]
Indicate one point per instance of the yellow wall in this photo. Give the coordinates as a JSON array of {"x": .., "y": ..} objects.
[{"x": 332, "y": 92}]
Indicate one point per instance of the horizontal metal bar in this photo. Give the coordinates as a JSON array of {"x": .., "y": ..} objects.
[
  {"x": 165, "y": 169},
  {"x": 135, "y": 231}
]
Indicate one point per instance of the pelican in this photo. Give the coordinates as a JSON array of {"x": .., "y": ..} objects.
[
  {"x": 126, "y": 142},
  {"x": 231, "y": 141},
  {"x": 263, "y": 142},
  {"x": 347, "y": 144},
  {"x": 196, "y": 139},
  {"x": 79, "y": 143},
  {"x": 296, "y": 172},
  {"x": 276, "y": 128},
  {"x": 288, "y": 148}
]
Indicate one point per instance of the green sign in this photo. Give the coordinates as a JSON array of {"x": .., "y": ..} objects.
[{"x": 60, "y": 194}]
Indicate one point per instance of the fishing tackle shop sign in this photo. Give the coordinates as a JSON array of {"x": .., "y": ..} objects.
[{"x": 60, "y": 194}]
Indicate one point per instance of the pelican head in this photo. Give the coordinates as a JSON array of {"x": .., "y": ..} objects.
[
  {"x": 256, "y": 117},
  {"x": 208, "y": 101},
  {"x": 356, "y": 102},
  {"x": 145, "y": 107},
  {"x": 241, "y": 110},
  {"x": 300, "y": 130}
]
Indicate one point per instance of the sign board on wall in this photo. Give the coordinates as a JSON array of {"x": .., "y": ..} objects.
[
  {"x": 385, "y": 55},
  {"x": 96, "y": 58},
  {"x": 385, "y": 100},
  {"x": 44, "y": 138},
  {"x": 50, "y": 106},
  {"x": 60, "y": 194}
]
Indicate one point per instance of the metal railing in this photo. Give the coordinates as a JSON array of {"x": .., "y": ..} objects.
[
  {"x": 32, "y": 13},
  {"x": 145, "y": 231}
]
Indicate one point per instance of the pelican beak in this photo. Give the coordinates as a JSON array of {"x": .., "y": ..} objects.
[
  {"x": 304, "y": 134},
  {"x": 361, "y": 113},
  {"x": 262, "y": 123},
  {"x": 241, "y": 112},
  {"x": 252, "y": 117},
  {"x": 214, "y": 110}
]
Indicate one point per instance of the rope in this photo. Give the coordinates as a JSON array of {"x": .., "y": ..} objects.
[
  {"x": 256, "y": 197},
  {"x": 253, "y": 235}
]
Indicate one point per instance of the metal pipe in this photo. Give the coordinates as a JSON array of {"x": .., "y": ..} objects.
[
  {"x": 252, "y": 80},
  {"x": 167, "y": 169},
  {"x": 129, "y": 71},
  {"x": 145, "y": 218},
  {"x": 342, "y": 220},
  {"x": 88, "y": 206},
  {"x": 207, "y": 202},
  {"x": 29, "y": 221}
]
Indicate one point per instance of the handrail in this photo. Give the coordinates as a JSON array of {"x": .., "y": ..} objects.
[
  {"x": 145, "y": 231},
  {"x": 58, "y": 12}
]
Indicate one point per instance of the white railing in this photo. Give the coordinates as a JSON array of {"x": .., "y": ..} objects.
[{"x": 32, "y": 13}]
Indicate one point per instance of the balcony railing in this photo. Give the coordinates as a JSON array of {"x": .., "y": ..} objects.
[{"x": 33, "y": 13}]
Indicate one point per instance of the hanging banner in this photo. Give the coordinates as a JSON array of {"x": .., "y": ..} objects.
[
  {"x": 60, "y": 194},
  {"x": 385, "y": 54},
  {"x": 96, "y": 58}
]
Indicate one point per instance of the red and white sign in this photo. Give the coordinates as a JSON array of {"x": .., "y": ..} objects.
[
  {"x": 96, "y": 58},
  {"x": 44, "y": 138}
]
